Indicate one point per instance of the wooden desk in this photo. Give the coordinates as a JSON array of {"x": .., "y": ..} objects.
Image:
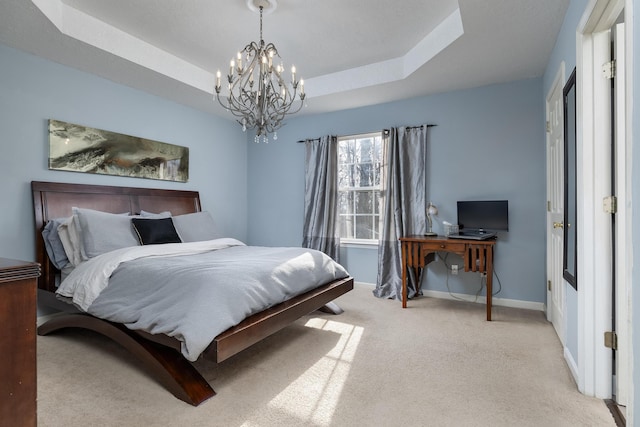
[{"x": 418, "y": 251}]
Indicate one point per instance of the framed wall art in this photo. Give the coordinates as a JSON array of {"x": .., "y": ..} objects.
[{"x": 79, "y": 148}]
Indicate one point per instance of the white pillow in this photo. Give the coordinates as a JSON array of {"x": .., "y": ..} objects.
[
  {"x": 164, "y": 214},
  {"x": 103, "y": 232},
  {"x": 196, "y": 227}
]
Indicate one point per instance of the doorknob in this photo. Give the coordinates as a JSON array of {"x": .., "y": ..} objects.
[{"x": 558, "y": 225}]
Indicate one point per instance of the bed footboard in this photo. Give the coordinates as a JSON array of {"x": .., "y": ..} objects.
[{"x": 261, "y": 325}]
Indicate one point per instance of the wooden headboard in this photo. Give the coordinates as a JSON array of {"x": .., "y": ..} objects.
[{"x": 55, "y": 200}]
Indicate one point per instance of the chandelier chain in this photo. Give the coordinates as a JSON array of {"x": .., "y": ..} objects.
[{"x": 261, "y": 39}]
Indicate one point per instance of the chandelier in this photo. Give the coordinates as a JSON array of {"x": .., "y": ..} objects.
[{"x": 258, "y": 94}]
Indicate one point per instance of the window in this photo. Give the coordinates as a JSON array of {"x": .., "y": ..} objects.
[{"x": 359, "y": 169}]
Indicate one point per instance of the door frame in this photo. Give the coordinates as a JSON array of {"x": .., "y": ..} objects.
[
  {"x": 594, "y": 226},
  {"x": 624, "y": 248}
]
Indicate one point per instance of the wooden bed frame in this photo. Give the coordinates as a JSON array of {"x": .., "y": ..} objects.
[{"x": 160, "y": 353}]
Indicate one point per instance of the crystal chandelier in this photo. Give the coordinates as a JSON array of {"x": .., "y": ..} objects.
[{"x": 258, "y": 94}]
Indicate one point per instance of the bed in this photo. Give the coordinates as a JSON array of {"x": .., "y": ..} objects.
[{"x": 161, "y": 353}]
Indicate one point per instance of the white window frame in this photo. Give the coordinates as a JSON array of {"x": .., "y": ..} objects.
[{"x": 352, "y": 242}]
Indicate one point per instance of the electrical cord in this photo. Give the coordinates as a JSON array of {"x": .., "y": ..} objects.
[
  {"x": 444, "y": 260},
  {"x": 499, "y": 282},
  {"x": 482, "y": 281}
]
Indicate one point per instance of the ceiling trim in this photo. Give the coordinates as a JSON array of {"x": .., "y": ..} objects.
[
  {"x": 448, "y": 31},
  {"x": 85, "y": 28},
  {"x": 88, "y": 29}
]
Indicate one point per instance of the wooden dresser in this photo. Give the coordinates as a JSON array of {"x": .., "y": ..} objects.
[{"x": 18, "y": 342}]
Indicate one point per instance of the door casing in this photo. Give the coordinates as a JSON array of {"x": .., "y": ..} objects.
[{"x": 594, "y": 372}]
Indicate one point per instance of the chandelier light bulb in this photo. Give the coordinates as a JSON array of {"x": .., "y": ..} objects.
[{"x": 239, "y": 62}]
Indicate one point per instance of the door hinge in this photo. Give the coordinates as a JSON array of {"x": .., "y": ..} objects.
[
  {"x": 611, "y": 340},
  {"x": 609, "y": 69},
  {"x": 548, "y": 126},
  {"x": 549, "y": 285},
  {"x": 610, "y": 204}
]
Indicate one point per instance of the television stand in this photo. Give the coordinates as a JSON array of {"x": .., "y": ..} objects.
[{"x": 418, "y": 251}]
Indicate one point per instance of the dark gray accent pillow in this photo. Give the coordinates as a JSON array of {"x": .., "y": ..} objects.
[{"x": 155, "y": 231}]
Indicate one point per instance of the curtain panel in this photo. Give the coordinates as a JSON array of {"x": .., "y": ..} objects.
[
  {"x": 320, "y": 229},
  {"x": 403, "y": 199}
]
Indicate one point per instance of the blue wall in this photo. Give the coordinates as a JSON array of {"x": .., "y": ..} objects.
[
  {"x": 33, "y": 90},
  {"x": 488, "y": 144}
]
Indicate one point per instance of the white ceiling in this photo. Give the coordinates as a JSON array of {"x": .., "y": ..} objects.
[{"x": 350, "y": 53}]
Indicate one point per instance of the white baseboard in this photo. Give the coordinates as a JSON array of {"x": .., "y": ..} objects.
[
  {"x": 373, "y": 285},
  {"x": 503, "y": 302},
  {"x": 573, "y": 367}
]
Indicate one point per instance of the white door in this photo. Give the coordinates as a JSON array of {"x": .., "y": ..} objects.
[{"x": 555, "y": 205}]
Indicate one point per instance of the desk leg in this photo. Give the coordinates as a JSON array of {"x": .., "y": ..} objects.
[
  {"x": 404, "y": 250},
  {"x": 489, "y": 281},
  {"x": 489, "y": 294}
]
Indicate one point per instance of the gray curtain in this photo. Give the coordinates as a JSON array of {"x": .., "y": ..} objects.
[
  {"x": 321, "y": 196},
  {"x": 404, "y": 205}
]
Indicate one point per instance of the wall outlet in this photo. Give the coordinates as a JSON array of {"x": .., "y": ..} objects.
[{"x": 454, "y": 268}]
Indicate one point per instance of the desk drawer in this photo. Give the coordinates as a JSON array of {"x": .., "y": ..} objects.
[{"x": 444, "y": 246}]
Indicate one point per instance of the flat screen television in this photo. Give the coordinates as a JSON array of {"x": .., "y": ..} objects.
[{"x": 486, "y": 215}]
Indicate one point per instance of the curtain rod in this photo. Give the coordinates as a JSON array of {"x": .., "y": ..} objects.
[{"x": 383, "y": 130}]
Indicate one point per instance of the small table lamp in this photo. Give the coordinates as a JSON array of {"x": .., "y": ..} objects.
[{"x": 431, "y": 210}]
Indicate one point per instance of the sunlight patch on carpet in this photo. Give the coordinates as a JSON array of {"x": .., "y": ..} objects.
[{"x": 314, "y": 395}]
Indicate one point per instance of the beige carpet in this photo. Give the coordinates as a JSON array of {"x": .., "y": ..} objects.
[{"x": 436, "y": 363}]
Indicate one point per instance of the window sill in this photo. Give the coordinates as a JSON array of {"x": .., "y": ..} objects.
[{"x": 353, "y": 243}]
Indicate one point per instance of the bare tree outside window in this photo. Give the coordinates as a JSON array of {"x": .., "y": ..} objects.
[{"x": 359, "y": 161}]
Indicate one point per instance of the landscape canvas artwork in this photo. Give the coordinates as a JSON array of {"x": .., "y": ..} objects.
[{"x": 83, "y": 149}]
